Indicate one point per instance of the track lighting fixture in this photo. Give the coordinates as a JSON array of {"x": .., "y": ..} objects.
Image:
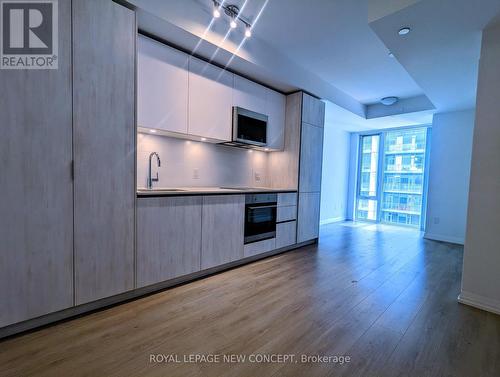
[
  {"x": 216, "y": 10},
  {"x": 248, "y": 31},
  {"x": 233, "y": 12}
]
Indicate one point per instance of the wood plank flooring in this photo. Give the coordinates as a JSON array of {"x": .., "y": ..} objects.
[{"x": 381, "y": 295}]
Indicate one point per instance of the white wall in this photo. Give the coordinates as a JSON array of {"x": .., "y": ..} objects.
[
  {"x": 215, "y": 165},
  {"x": 481, "y": 271},
  {"x": 335, "y": 173},
  {"x": 449, "y": 174}
]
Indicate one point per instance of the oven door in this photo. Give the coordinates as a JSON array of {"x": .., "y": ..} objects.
[{"x": 260, "y": 222}]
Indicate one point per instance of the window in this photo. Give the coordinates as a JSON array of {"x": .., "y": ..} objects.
[
  {"x": 368, "y": 178},
  {"x": 402, "y": 177}
]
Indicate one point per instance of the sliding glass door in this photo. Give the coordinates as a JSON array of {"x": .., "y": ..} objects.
[{"x": 391, "y": 187}]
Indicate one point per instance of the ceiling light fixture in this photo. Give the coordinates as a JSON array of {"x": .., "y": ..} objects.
[
  {"x": 152, "y": 131},
  {"x": 388, "y": 101},
  {"x": 233, "y": 12},
  {"x": 404, "y": 30},
  {"x": 391, "y": 55}
]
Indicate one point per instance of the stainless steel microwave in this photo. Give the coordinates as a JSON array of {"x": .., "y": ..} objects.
[{"x": 249, "y": 128}]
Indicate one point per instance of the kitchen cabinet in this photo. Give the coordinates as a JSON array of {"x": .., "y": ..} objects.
[
  {"x": 311, "y": 158},
  {"x": 168, "y": 238},
  {"x": 210, "y": 101},
  {"x": 310, "y": 166},
  {"x": 313, "y": 110},
  {"x": 250, "y": 95},
  {"x": 276, "y": 103},
  {"x": 36, "y": 189},
  {"x": 162, "y": 87},
  {"x": 259, "y": 247},
  {"x": 104, "y": 37},
  {"x": 286, "y": 213},
  {"x": 287, "y": 199},
  {"x": 222, "y": 229},
  {"x": 308, "y": 216},
  {"x": 258, "y": 98},
  {"x": 286, "y": 234}
]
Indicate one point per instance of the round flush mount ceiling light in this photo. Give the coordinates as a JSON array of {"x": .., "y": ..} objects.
[
  {"x": 404, "y": 30},
  {"x": 388, "y": 101}
]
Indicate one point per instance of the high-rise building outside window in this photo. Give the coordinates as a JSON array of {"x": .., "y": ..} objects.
[{"x": 400, "y": 180}]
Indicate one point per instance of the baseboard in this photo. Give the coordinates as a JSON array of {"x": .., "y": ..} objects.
[
  {"x": 443, "y": 238},
  {"x": 480, "y": 302},
  {"x": 331, "y": 220}
]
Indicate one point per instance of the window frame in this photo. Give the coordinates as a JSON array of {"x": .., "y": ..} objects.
[{"x": 380, "y": 174}]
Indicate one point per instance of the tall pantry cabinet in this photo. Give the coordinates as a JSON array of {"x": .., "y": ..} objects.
[{"x": 67, "y": 162}]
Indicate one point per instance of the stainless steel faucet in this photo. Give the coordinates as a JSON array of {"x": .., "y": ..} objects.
[{"x": 150, "y": 178}]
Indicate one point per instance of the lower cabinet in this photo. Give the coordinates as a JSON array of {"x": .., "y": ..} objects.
[
  {"x": 222, "y": 229},
  {"x": 168, "y": 238},
  {"x": 286, "y": 234},
  {"x": 308, "y": 216},
  {"x": 259, "y": 247}
]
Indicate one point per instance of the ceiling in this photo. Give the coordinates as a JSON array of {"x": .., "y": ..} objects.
[
  {"x": 333, "y": 39},
  {"x": 339, "y": 49},
  {"x": 442, "y": 51}
]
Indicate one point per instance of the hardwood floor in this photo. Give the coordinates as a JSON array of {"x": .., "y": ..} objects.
[{"x": 381, "y": 295}]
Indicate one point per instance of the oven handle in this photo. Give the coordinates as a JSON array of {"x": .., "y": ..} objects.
[{"x": 269, "y": 206}]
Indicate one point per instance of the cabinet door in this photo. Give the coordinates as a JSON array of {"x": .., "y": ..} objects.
[
  {"x": 104, "y": 36},
  {"x": 168, "y": 238},
  {"x": 259, "y": 247},
  {"x": 36, "y": 193},
  {"x": 313, "y": 110},
  {"x": 311, "y": 156},
  {"x": 250, "y": 95},
  {"x": 286, "y": 234},
  {"x": 222, "y": 229},
  {"x": 162, "y": 87},
  {"x": 286, "y": 213},
  {"x": 308, "y": 216},
  {"x": 276, "y": 103},
  {"x": 210, "y": 101}
]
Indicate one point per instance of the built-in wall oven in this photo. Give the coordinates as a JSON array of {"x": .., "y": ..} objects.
[{"x": 260, "y": 217}]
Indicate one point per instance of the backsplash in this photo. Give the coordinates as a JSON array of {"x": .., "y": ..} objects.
[{"x": 190, "y": 163}]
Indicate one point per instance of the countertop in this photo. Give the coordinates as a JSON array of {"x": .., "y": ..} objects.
[{"x": 181, "y": 191}]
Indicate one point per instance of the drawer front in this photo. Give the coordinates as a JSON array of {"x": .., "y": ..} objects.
[
  {"x": 287, "y": 213},
  {"x": 287, "y": 199},
  {"x": 286, "y": 234},
  {"x": 259, "y": 247}
]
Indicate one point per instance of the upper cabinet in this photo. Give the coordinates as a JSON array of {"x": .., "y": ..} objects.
[
  {"x": 313, "y": 110},
  {"x": 249, "y": 95},
  {"x": 162, "y": 87},
  {"x": 186, "y": 96},
  {"x": 258, "y": 98},
  {"x": 210, "y": 100}
]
